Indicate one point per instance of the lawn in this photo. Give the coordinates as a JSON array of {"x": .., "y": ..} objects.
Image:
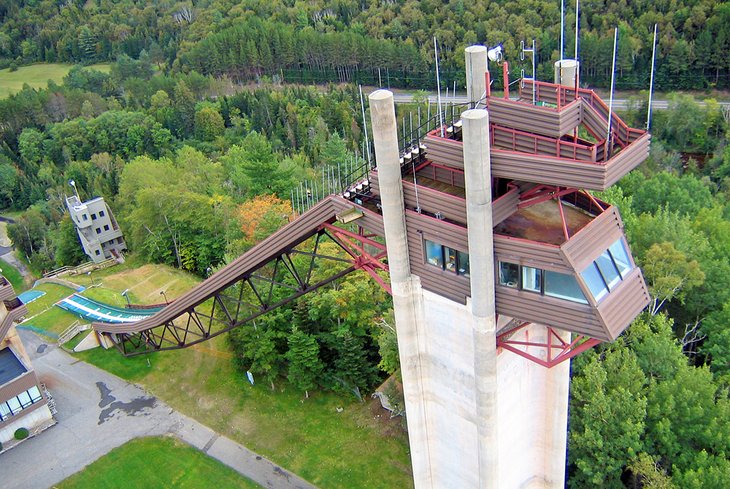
[
  {"x": 156, "y": 462},
  {"x": 36, "y": 76},
  {"x": 13, "y": 275},
  {"x": 358, "y": 447}
]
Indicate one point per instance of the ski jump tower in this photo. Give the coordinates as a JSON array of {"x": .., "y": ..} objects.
[{"x": 502, "y": 268}]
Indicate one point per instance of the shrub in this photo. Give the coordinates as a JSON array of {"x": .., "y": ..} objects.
[
  {"x": 21, "y": 433},
  {"x": 13, "y": 66}
]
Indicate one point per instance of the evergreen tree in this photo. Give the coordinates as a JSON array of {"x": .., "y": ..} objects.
[{"x": 305, "y": 367}]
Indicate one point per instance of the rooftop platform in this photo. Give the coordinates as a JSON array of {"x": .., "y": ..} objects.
[
  {"x": 10, "y": 366},
  {"x": 539, "y": 142},
  {"x": 542, "y": 222}
]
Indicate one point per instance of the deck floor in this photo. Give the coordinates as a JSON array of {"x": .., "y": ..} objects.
[
  {"x": 541, "y": 222},
  {"x": 436, "y": 185}
]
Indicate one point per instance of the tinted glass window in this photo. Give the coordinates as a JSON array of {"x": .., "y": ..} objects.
[
  {"x": 433, "y": 254},
  {"x": 594, "y": 281},
  {"x": 509, "y": 274},
  {"x": 463, "y": 259},
  {"x": 531, "y": 279},
  {"x": 620, "y": 257},
  {"x": 24, "y": 399},
  {"x": 608, "y": 270},
  {"x": 14, "y": 405},
  {"x": 34, "y": 394},
  {"x": 450, "y": 255},
  {"x": 563, "y": 286}
]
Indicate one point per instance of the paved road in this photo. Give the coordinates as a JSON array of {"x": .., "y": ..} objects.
[
  {"x": 98, "y": 412},
  {"x": 618, "y": 104}
]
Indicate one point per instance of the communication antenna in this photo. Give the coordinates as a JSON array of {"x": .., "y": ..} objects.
[
  {"x": 365, "y": 124},
  {"x": 651, "y": 79},
  {"x": 562, "y": 29},
  {"x": 610, "y": 102},
  {"x": 531, "y": 50},
  {"x": 577, "y": 28},
  {"x": 438, "y": 85}
]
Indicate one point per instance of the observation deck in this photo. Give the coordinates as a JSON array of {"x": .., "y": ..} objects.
[
  {"x": 561, "y": 257},
  {"x": 560, "y": 140}
]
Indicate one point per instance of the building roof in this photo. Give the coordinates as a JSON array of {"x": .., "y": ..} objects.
[{"x": 10, "y": 366}]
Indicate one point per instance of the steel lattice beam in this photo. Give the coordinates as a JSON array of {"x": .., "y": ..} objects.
[{"x": 273, "y": 284}]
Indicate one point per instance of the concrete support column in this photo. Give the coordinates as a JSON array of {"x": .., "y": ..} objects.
[
  {"x": 407, "y": 295},
  {"x": 556, "y": 420},
  {"x": 566, "y": 72},
  {"x": 477, "y": 173},
  {"x": 476, "y": 68}
]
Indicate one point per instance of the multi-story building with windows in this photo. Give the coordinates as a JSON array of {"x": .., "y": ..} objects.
[
  {"x": 97, "y": 228},
  {"x": 23, "y": 402}
]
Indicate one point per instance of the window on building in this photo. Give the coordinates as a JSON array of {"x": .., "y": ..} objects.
[
  {"x": 545, "y": 282},
  {"x": 97, "y": 252},
  {"x": 98, "y": 230},
  {"x": 607, "y": 271},
  {"x": 463, "y": 260},
  {"x": 433, "y": 254},
  {"x": 447, "y": 258},
  {"x": 106, "y": 227},
  {"x": 532, "y": 279},
  {"x": 85, "y": 217},
  {"x": 101, "y": 213},
  {"x": 16, "y": 404},
  {"x": 509, "y": 274},
  {"x": 563, "y": 286},
  {"x": 93, "y": 217}
]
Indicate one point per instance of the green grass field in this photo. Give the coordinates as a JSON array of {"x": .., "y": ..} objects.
[
  {"x": 13, "y": 275},
  {"x": 156, "y": 462},
  {"x": 359, "y": 447},
  {"x": 37, "y": 76}
]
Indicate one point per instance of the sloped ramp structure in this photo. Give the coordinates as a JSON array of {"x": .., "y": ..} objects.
[{"x": 299, "y": 258}]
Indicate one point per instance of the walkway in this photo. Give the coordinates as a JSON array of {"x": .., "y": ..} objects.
[{"x": 98, "y": 412}]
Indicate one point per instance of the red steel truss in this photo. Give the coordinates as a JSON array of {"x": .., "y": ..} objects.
[{"x": 556, "y": 349}]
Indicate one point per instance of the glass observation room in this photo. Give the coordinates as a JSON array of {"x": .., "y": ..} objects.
[
  {"x": 543, "y": 282},
  {"x": 607, "y": 271}
]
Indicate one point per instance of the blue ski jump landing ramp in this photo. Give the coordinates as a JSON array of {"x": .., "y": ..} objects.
[{"x": 97, "y": 311}]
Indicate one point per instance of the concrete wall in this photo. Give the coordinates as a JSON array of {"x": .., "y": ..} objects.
[
  {"x": 533, "y": 417},
  {"x": 29, "y": 421},
  {"x": 532, "y": 405}
]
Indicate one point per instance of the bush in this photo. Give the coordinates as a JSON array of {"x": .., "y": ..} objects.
[
  {"x": 13, "y": 66},
  {"x": 21, "y": 433}
]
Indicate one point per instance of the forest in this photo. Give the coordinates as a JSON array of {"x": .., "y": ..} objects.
[
  {"x": 348, "y": 40},
  {"x": 197, "y": 141}
]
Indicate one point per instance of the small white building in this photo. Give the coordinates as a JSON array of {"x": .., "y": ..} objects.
[
  {"x": 24, "y": 402},
  {"x": 98, "y": 230}
]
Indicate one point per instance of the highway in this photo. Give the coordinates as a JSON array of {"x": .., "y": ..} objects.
[{"x": 618, "y": 104}]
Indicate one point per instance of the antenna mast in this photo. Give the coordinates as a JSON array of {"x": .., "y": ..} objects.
[
  {"x": 562, "y": 28},
  {"x": 651, "y": 80},
  {"x": 577, "y": 28},
  {"x": 438, "y": 85},
  {"x": 610, "y": 102},
  {"x": 365, "y": 126}
]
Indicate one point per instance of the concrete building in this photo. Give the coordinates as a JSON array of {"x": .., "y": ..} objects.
[
  {"x": 98, "y": 230},
  {"x": 23, "y": 401}
]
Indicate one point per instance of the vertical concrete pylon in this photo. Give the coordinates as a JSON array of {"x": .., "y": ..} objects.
[
  {"x": 407, "y": 295},
  {"x": 476, "y": 68},
  {"x": 477, "y": 175}
]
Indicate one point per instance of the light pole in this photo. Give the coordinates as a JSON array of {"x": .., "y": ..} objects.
[
  {"x": 91, "y": 278},
  {"x": 76, "y": 191},
  {"x": 125, "y": 294},
  {"x": 162, "y": 293}
]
